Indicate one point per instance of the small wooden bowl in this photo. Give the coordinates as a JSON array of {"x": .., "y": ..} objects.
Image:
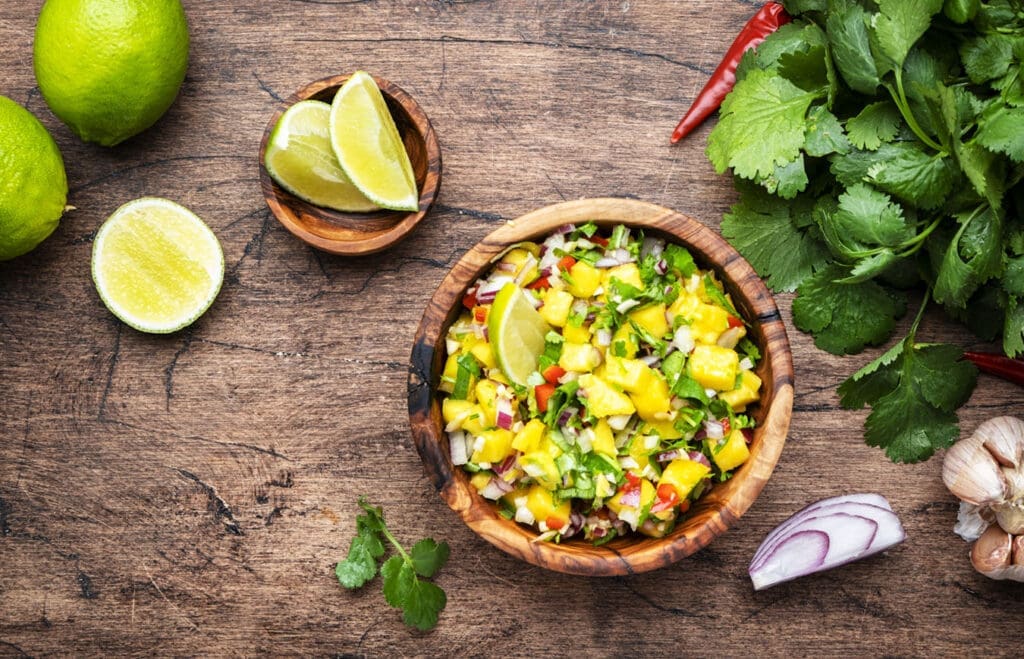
[
  {"x": 713, "y": 513},
  {"x": 354, "y": 234}
]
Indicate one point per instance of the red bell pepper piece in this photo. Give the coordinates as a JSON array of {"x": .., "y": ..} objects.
[
  {"x": 553, "y": 373},
  {"x": 480, "y": 314},
  {"x": 543, "y": 392},
  {"x": 768, "y": 19},
  {"x": 1002, "y": 366},
  {"x": 666, "y": 500},
  {"x": 469, "y": 299},
  {"x": 539, "y": 283},
  {"x": 734, "y": 322},
  {"x": 566, "y": 263}
]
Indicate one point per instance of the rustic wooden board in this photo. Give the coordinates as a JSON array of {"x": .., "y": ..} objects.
[{"x": 190, "y": 494}]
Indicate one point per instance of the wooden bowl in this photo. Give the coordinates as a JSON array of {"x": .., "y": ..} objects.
[
  {"x": 353, "y": 234},
  {"x": 712, "y": 514}
]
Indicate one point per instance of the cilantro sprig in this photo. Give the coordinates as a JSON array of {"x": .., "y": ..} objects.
[
  {"x": 878, "y": 148},
  {"x": 420, "y": 601}
]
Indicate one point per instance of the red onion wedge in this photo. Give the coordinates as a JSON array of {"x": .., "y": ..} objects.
[{"x": 824, "y": 535}]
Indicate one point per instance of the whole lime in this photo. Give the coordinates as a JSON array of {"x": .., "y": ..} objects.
[
  {"x": 33, "y": 186},
  {"x": 110, "y": 69}
]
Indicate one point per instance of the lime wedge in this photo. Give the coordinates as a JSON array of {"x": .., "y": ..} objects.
[
  {"x": 516, "y": 333},
  {"x": 300, "y": 158},
  {"x": 156, "y": 265},
  {"x": 368, "y": 146}
]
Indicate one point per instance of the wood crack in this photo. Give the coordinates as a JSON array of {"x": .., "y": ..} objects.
[{"x": 220, "y": 509}]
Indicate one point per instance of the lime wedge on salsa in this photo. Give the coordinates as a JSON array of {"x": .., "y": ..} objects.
[{"x": 516, "y": 333}]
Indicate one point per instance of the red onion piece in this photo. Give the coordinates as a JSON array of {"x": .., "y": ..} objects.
[
  {"x": 697, "y": 456},
  {"x": 607, "y": 262},
  {"x": 631, "y": 497},
  {"x": 851, "y": 526}
]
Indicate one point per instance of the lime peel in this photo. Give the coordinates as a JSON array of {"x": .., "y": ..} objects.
[{"x": 516, "y": 332}]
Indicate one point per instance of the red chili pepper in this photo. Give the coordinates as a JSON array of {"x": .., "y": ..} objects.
[
  {"x": 599, "y": 240},
  {"x": 539, "y": 283},
  {"x": 543, "y": 392},
  {"x": 553, "y": 373},
  {"x": 767, "y": 20},
  {"x": 667, "y": 498},
  {"x": 735, "y": 322},
  {"x": 1002, "y": 366},
  {"x": 566, "y": 263}
]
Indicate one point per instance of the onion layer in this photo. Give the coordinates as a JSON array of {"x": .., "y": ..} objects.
[{"x": 824, "y": 535}]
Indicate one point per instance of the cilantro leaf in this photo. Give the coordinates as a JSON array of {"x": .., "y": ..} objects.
[
  {"x": 423, "y": 603},
  {"x": 960, "y": 11},
  {"x": 864, "y": 219},
  {"x": 847, "y": 27},
  {"x": 845, "y": 317},
  {"x": 1013, "y": 276},
  {"x": 764, "y": 230},
  {"x": 876, "y": 123},
  {"x": 825, "y": 134},
  {"x": 786, "y": 180},
  {"x": 973, "y": 256},
  {"x": 986, "y": 56},
  {"x": 913, "y": 391},
  {"x": 761, "y": 126},
  {"x": 913, "y": 175},
  {"x": 428, "y": 556},
  {"x": 1004, "y": 132},
  {"x": 420, "y": 601},
  {"x": 1013, "y": 330},
  {"x": 897, "y": 28}
]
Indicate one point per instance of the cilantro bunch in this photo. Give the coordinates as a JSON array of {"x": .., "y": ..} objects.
[
  {"x": 420, "y": 601},
  {"x": 878, "y": 150}
]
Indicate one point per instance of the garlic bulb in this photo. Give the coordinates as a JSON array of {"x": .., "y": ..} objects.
[{"x": 986, "y": 471}]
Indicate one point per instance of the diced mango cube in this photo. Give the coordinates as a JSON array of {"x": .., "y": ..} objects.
[
  {"x": 574, "y": 334},
  {"x": 449, "y": 373},
  {"x": 625, "y": 342},
  {"x": 487, "y": 396},
  {"x": 651, "y": 318},
  {"x": 730, "y": 452},
  {"x": 540, "y": 465},
  {"x": 480, "y": 480},
  {"x": 493, "y": 446},
  {"x": 541, "y": 503},
  {"x": 604, "y": 439},
  {"x": 585, "y": 279},
  {"x": 627, "y": 273},
  {"x": 556, "y": 307},
  {"x": 638, "y": 451},
  {"x": 653, "y": 400},
  {"x": 745, "y": 394},
  {"x": 579, "y": 357},
  {"x": 483, "y": 353},
  {"x": 714, "y": 367},
  {"x": 685, "y": 306},
  {"x": 709, "y": 321},
  {"x": 529, "y": 438},
  {"x": 630, "y": 374},
  {"x": 472, "y": 415},
  {"x": 683, "y": 474},
  {"x": 663, "y": 427},
  {"x": 604, "y": 400},
  {"x": 517, "y": 258}
]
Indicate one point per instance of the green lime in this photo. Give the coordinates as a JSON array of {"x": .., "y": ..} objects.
[
  {"x": 33, "y": 186},
  {"x": 369, "y": 147},
  {"x": 110, "y": 68},
  {"x": 300, "y": 158},
  {"x": 156, "y": 265},
  {"x": 516, "y": 332}
]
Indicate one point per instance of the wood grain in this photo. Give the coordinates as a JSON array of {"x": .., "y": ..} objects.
[
  {"x": 714, "y": 512},
  {"x": 190, "y": 494}
]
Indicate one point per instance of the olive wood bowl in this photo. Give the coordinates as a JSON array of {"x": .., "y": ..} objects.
[
  {"x": 713, "y": 513},
  {"x": 353, "y": 234}
]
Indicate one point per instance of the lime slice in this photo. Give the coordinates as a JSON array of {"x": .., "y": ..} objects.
[
  {"x": 516, "y": 333},
  {"x": 368, "y": 146},
  {"x": 156, "y": 265},
  {"x": 300, "y": 158}
]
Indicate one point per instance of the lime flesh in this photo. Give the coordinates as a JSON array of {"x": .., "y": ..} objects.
[
  {"x": 156, "y": 265},
  {"x": 516, "y": 333},
  {"x": 368, "y": 146},
  {"x": 300, "y": 158}
]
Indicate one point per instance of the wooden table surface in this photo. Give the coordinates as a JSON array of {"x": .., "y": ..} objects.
[{"x": 191, "y": 493}]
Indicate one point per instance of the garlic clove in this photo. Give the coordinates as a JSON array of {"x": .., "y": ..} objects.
[
  {"x": 1018, "y": 550},
  {"x": 992, "y": 551},
  {"x": 971, "y": 521},
  {"x": 972, "y": 474},
  {"x": 1003, "y": 436}
]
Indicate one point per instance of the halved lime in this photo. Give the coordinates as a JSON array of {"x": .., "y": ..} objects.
[
  {"x": 300, "y": 158},
  {"x": 368, "y": 146},
  {"x": 156, "y": 265},
  {"x": 516, "y": 332}
]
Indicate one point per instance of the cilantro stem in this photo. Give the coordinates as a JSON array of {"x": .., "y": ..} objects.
[
  {"x": 917, "y": 242},
  {"x": 920, "y": 314},
  {"x": 899, "y": 97},
  {"x": 396, "y": 544}
]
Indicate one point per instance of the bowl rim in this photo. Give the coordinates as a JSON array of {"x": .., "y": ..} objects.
[
  {"x": 632, "y": 555},
  {"x": 395, "y": 225}
]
